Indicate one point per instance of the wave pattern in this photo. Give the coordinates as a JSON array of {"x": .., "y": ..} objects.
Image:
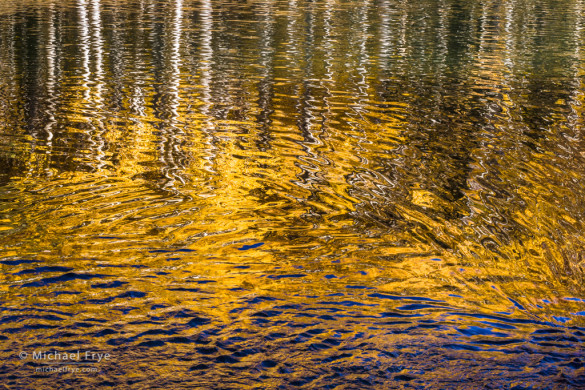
[{"x": 280, "y": 194}]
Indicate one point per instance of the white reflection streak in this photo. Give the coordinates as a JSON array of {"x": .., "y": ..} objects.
[
  {"x": 578, "y": 72},
  {"x": 51, "y": 56},
  {"x": 266, "y": 60},
  {"x": 384, "y": 32},
  {"x": 484, "y": 33},
  {"x": 363, "y": 58},
  {"x": 136, "y": 100},
  {"x": 403, "y": 27},
  {"x": 173, "y": 85},
  {"x": 328, "y": 25},
  {"x": 84, "y": 39},
  {"x": 509, "y": 43},
  {"x": 267, "y": 49},
  {"x": 509, "y": 35},
  {"x": 97, "y": 43},
  {"x": 579, "y": 21},
  {"x": 443, "y": 49},
  {"x": 329, "y": 47},
  {"x": 206, "y": 53},
  {"x": 85, "y": 42},
  {"x": 206, "y": 60},
  {"x": 292, "y": 30},
  {"x": 292, "y": 6},
  {"x": 174, "y": 82}
]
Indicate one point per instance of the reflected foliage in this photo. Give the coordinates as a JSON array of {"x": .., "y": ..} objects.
[{"x": 329, "y": 193}]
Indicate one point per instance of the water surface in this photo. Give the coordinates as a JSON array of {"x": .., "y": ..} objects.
[{"x": 274, "y": 194}]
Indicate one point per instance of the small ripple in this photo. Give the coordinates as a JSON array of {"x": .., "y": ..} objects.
[{"x": 62, "y": 278}]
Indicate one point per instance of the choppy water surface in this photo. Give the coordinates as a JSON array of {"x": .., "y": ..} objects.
[{"x": 273, "y": 194}]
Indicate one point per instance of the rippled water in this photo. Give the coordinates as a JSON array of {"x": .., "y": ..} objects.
[{"x": 274, "y": 194}]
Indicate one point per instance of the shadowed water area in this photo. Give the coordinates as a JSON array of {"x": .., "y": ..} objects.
[{"x": 281, "y": 194}]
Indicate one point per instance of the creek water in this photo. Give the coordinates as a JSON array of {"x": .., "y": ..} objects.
[{"x": 280, "y": 194}]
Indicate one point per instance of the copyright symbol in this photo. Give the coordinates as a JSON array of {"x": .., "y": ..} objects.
[{"x": 22, "y": 355}]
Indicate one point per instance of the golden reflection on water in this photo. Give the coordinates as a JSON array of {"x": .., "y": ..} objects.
[{"x": 330, "y": 193}]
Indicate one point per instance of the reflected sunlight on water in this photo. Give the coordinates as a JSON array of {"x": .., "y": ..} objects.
[{"x": 274, "y": 194}]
